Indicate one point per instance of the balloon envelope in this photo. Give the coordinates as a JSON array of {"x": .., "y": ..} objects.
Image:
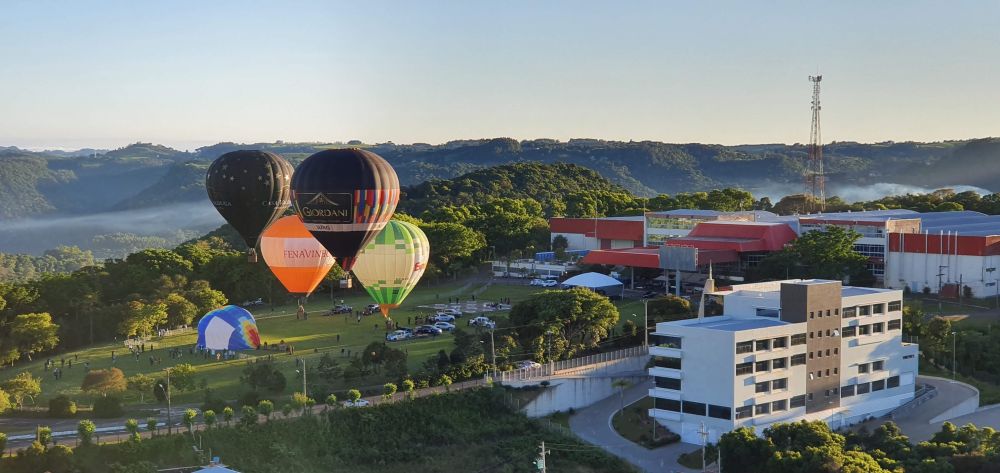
[
  {"x": 345, "y": 197},
  {"x": 228, "y": 328},
  {"x": 294, "y": 256},
  {"x": 251, "y": 189},
  {"x": 392, "y": 263}
]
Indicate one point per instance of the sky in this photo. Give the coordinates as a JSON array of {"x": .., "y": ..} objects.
[{"x": 191, "y": 73}]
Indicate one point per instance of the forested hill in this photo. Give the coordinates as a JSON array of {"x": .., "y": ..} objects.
[{"x": 144, "y": 174}]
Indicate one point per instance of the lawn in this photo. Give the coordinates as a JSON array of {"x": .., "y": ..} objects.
[
  {"x": 311, "y": 339},
  {"x": 634, "y": 424}
]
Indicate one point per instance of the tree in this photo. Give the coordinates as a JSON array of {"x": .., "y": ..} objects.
[
  {"x": 454, "y": 245},
  {"x": 227, "y": 414},
  {"x": 104, "y": 382},
  {"x": 331, "y": 401},
  {"x": 827, "y": 254},
  {"x": 3, "y": 441},
  {"x": 209, "y": 418},
  {"x": 568, "y": 322},
  {"x": 4, "y": 402},
  {"x": 62, "y": 406},
  {"x": 669, "y": 308},
  {"x": 24, "y": 385},
  {"x": 141, "y": 319},
  {"x": 265, "y": 408},
  {"x": 388, "y": 391},
  {"x": 354, "y": 395},
  {"x": 264, "y": 375},
  {"x": 189, "y": 416},
  {"x": 445, "y": 381},
  {"x": 140, "y": 384},
  {"x": 32, "y": 333},
  {"x": 85, "y": 431},
  {"x": 742, "y": 450},
  {"x": 206, "y": 299},
  {"x": 44, "y": 436},
  {"x": 182, "y": 377},
  {"x": 408, "y": 387},
  {"x": 151, "y": 424},
  {"x": 286, "y": 409},
  {"x": 180, "y": 311},
  {"x": 132, "y": 426},
  {"x": 248, "y": 416}
]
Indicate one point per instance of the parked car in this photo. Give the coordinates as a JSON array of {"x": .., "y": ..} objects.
[
  {"x": 372, "y": 307},
  {"x": 455, "y": 312},
  {"x": 342, "y": 309},
  {"x": 550, "y": 283},
  {"x": 447, "y": 327},
  {"x": 251, "y": 303},
  {"x": 359, "y": 403},
  {"x": 650, "y": 294},
  {"x": 482, "y": 322},
  {"x": 525, "y": 364},
  {"x": 428, "y": 330},
  {"x": 537, "y": 282},
  {"x": 398, "y": 335},
  {"x": 443, "y": 318}
]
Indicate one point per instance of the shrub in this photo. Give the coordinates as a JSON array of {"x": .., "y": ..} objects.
[
  {"x": 108, "y": 406},
  {"x": 250, "y": 398},
  {"x": 209, "y": 417},
  {"x": 248, "y": 416},
  {"x": 151, "y": 424},
  {"x": 3, "y": 441},
  {"x": 85, "y": 429},
  {"x": 62, "y": 406}
]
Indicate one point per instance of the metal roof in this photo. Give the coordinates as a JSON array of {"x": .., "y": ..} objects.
[{"x": 736, "y": 325}]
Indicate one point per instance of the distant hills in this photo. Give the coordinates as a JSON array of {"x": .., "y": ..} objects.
[{"x": 147, "y": 175}]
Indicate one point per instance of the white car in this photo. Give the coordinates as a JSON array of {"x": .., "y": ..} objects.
[
  {"x": 455, "y": 312},
  {"x": 537, "y": 282},
  {"x": 359, "y": 403},
  {"x": 550, "y": 283},
  {"x": 525, "y": 364},
  {"x": 398, "y": 335},
  {"x": 445, "y": 326},
  {"x": 483, "y": 322},
  {"x": 443, "y": 318}
]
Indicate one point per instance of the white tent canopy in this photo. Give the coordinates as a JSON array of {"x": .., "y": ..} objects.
[{"x": 594, "y": 281}]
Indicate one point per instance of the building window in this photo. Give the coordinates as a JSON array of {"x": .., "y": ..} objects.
[
  {"x": 809, "y": 396},
  {"x": 827, "y": 312},
  {"x": 765, "y": 312},
  {"x": 744, "y": 412},
  {"x": 810, "y": 355},
  {"x": 892, "y": 382},
  {"x": 895, "y": 324},
  {"x": 863, "y": 388},
  {"x": 850, "y": 312},
  {"x": 720, "y": 412},
  {"x": 907, "y": 357},
  {"x": 779, "y": 363},
  {"x": 878, "y": 365},
  {"x": 761, "y": 409},
  {"x": 863, "y": 368},
  {"x": 812, "y": 334},
  {"x": 828, "y": 372},
  {"x": 779, "y": 405},
  {"x": 835, "y": 371},
  {"x": 696, "y": 408},
  {"x": 763, "y": 366},
  {"x": 667, "y": 362},
  {"x": 864, "y": 329},
  {"x": 668, "y": 383},
  {"x": 895, "y": 306},
  {"x": 744, "y": 368},
  {"x": 763, "y": 387},
  {"x": 672, "y": 405},
  {"x": 836, "y": 311},
  {"x": 812, "y": 315},
  {"x": 878, "y": 309},
  {"x": 799, "y": 359},
  {"x": 878, "y": 328},
  {"x": 819, "y": 373},
  {"x": 864, "y": 310},
  {"x": 827, "y": 352},
  {"x": 799, "y": 339},
  {"x": 827, "y": 332},
  {"x": 819, "y": 334},
  {"x": 780, "y": 342},
  {"x": 779, "y": 384},
  {"x": 836, "y": 351},
  {"x": 797, "y": 401},
  {"x": 666, "y": 341},
  {"x": 878, "y": 385},
  {"x": 744, "y": 347},
  {"x": 826, "y": 393},
  {"x": 847, "y": 391},
  {"x": 849, "y": 331},
  {"x": 763, "y": 345}
]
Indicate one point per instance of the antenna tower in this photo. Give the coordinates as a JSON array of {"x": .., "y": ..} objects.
[{"x": 815, "y": 176}]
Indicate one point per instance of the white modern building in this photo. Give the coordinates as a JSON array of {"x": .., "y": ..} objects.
[{"x": 782, "y": 351}]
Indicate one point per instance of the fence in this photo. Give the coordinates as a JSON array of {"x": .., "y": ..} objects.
[
  {"x": 586, "y": 363},
  {"x": 924, "y": 394}
]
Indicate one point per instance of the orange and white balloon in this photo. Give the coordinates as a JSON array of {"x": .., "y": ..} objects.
[{"x": 294, "y": 256}]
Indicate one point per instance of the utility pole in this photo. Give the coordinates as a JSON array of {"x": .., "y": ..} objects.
[
  {"x": 704, "y": 444},
  {"x": 493, "y": 350},
  {"x": 540, "y": 462},
  {"x": 303, "y": 361},
  {"x": 170, "y": 424},
  {"x": 954, "y": 336},
  {"x": 645, "y": 323}
]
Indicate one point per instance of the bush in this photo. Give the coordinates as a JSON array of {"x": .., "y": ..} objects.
[
  {"x": 108, "y": 406},
  {"x": 62, "y": 406},
  {"x": 250, "y": 398},
  {"x": 212, "y": 402}
]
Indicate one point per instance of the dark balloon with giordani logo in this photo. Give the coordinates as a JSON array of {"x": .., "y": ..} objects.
[
  {"x": 345, "y": 197},
  {"x": 251, "y": 190}
]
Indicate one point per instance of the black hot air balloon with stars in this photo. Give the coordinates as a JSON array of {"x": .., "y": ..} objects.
[
  {"x": 251, "y": 190},
  {"x": 345, "y": 197}
]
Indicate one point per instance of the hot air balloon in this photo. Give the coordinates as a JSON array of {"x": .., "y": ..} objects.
[
  {"x": 345, "y": 197},
  {"x": 228, "y": 328},
  {"x": 295, "y": 257},
  {"x": 251, "y": 190},
  {"x": 392, "y": 263}
]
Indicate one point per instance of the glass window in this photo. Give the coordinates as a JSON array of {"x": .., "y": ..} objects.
[
  {"x": 812, "y": 315},
  {"x": 799, "y": 359},
  {"x": 826, "y": 393},
  {"x": 836, "y": 351},
  {"x": 892, "y": 382},
  {"x": 878, "y": 365},
  {"x": 827, "y": 352},
  {"x": 878, "y": 328},
  {"x": 863, "y": 368},
  {"x": 744, "y": 347},
  {"x": 809, "y": 396},
  {"x": 864, "y": 310},
  {"x": 810, "y": 355},
  {"x": 863, "y": 388},
  {"x": 836, "y": 311},
  {"x": 668, "y": 383},
  {"x": 720, "y": 412},
  {"x": 696, "y": 408},
  {"x": 779, "y": 405},
  {"x": 812, "y": 334},
  {"x": 827, "y": 312},
  {"x": 878, "y": 309},
  {"x": 744, "y": 368},
  {"x": 819, "y": 374},
  {"x": 895, "y": 305},
  {"x": 797, "y": 401},
  {"x": 744, "y": 412},
  {"x": 763, "y": 387},
  {"x": 895, "y": 324},
  {"x": 763, "y": 345},
  {"x": 780, "y": 342},
  {"x": 835, "y": 371},
  {"x": 847, "y": 391},
  {"x": 666, "y": 341},
  {"x": 819, "y": 334},
  {"x": 850, "y": 312},
  {"x": 849, "y": 331},
  {"x": 763, "y": 366},
  {"x": 827, "y": 372},
  {"x": 878, "y": 385},
  {"x": 779, "y": 384},
  {"x": 761, "y": 409},
  {"x": 799, "y": 339},
  {"x": 667, "y": 362},
  {"x": 864, "y": 329},
  {"x": 764, "y": 312},
  {"x": 779, "y": 363},
  {"x": 672, "y": 405}
]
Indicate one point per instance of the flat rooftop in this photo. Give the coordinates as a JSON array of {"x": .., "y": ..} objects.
[{"x": 735, "y": 325}]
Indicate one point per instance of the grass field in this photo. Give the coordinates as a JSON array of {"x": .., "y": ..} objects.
[{"x": 311, "y": 339}]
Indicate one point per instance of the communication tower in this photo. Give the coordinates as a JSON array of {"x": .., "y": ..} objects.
[{"x": 815, "y": 176}]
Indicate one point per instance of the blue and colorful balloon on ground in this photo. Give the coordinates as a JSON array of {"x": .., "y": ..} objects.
[
  {"x": 391, "y": 264},
  {"x": 228, "y": 328}
]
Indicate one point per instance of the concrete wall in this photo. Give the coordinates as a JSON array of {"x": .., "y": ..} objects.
[
  {"x": 919, "y": 270},
  {"x": 576, "y": 393}
]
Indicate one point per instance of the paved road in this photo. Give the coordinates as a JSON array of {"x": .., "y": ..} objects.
[
  {"x": 593, "y": 424},
  {"x": 917, "y": 425}
]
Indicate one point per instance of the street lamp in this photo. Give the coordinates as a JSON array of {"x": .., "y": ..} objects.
[
  {"x": 303, "y": 371},
  {"x": 170, "y": 425},
  {"x": 954, "y": 336}
]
